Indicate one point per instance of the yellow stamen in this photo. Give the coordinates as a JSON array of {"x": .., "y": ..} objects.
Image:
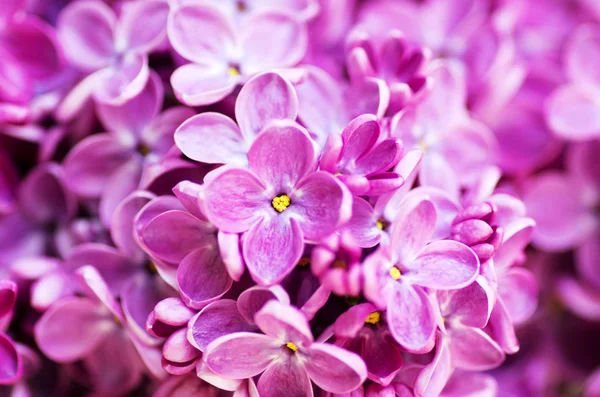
[
  {"x": 233, "y": 71},
  {"x": 422, "y": 146},
  {"x": 281, "y": 202},
  {"x": 151, "y": 267},
  {"x": 379, "y": 224},
  {"x": 373, "y": 318},
  {"x": 291, "y": 346},
  {"x": 303, "y": 262},
  {"x": 395, "y": 273},
  {"x": 339, "y": 264}
]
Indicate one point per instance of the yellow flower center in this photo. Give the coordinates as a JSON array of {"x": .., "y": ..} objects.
[
  {"x": 373, "y": 318},
  {"x": 339, "y": 264},
  {"x": 233, "y": 71},
  {"x": 291, "y": 346},
  {"x": 395, "y": 273},
  {"x": 303, "y": 262},
  {"x": 281, "y": 202}
]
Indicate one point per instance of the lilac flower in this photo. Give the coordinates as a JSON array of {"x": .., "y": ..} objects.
[
  {"x": 456, "y": 147},
  {"x": 572, "y": 110},
  {"x": 216, "y": 139},
  {"x": 396, "y": 278},
  {"x": 223, "y": 57},
  {"x": 361, "y": 159},
  {"x": 278, "y": 203},
  {"x": 286, "y": 355},
  {"x": 394, "y": 61},
  {"x": 326, "y": 105},
  {"x": 363, "y": 330},
  {"x": 26, "y": 64},
  {"x": 8, "y": 184},
  {"x": 95, "y": 336},
  {"x": 112, "y": 51},
  {"x": 130, "y": 155},
  {"x": 240, "y": 9},
  {"x": 189, "y": 244}
]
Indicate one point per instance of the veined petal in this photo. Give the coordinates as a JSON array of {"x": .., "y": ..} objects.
[{"x": 334, "y": 369}]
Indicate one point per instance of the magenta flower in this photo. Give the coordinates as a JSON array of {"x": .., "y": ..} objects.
[
  {"x": 97, "y": 335},
  {"x": 112, "y": 51},
  {"x": 361, "y": 159},
  {"x": 363, "y": 330},
  {"x": 456, "y": 147},
  {"x": 397, "y": 277},
  {"x": 216, "y": 139},
  {"x": 222, "y": 56},
  {"x": 573, "y": 109},
  {"x": 286, "y": 356},
  {"x": 129, "y": 156},
  {"x": 278, "y": 203},
  {"x": 395, "y": 61}
]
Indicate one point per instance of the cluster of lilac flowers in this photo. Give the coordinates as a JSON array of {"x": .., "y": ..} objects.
[{"x": 289, "y": 198}]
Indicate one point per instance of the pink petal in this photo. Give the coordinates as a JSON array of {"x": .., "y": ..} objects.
[
  {"x": 319, "y": 204},
  {"x": 444, "y": 264},
  {"x": 124, "y": 181},
  {"x": 271, "y": 249},
  {"x": 518, "y": 290},
  {"x": 587, "y": 260},
  {"x": 231, "y": 253},
  {"x": 197, "y": 85},
  {"x": 121, "y": 230},
  {"x": 470, "y": 306},
  {"x": 241, "y": 355},
  {"x": 91, "y": 163},
  {"x": 86, "y": 33},
  {"x": 284, "y": 323},
  {"x": 411, "y": 318},
  {"x": 573, "y": 114},
  {"x": 502, "y": 328},
  {"x": 334, "y": 369},
  {"x": 412, "y": 228},
  {"x": 264, "y": 98},
  {"x": 362, "y": 226},
  {"x": 122, "y": 81},
  {"x": 12, "y": 365},
  {"x": 253, "y": 299},
  {"x": 89, "y": 322},
  {"x": 211, "y": 138},
  {"x": 474, "y": 350},
  {"x": 159, "y": 134},
  {"x": 285, "y": 377},
  {"x": 215, "y": 320},
  {"x": 134, "y": 36},
  {"x": 174, "y": 234},
  {"x": 272, "y": 40},
  {"x": 134, "y": 115},
  {"x": 202, "y": 277},
  {"x": 433, "y": 377},
  {"x": 200, "y": 33},
  {"x": 235, "y": 200},
  {"x": 583, "y": 50},
  {"x": 282, "y": 155},
  {"x": 470, "y": 384},
  {"x": 562, "y": 219},
  {"x": 579, "y": 298}
]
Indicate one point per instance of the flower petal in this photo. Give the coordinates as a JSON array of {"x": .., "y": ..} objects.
[
  {"x": 444, "y": 264},
  {"x": 86, "y": 33},
  {"x": 271, "y": 249},
  {"x": 285, "y": 377},
  {"x": 411, "y": 318},
  {"x": 215, "y": 320},
  {"x": 285, "y": 38},
  {"x": 174, "y": 234},
  {"x": 235, "y": 200},
  {"x": 518, "y": 290},
  {"x": 284, "y": 323},
  {"x": 142, "y": 37},
  {"x": 264, "y": 98},
  {"x": 122, "y": 81},
  {"x": 121, "y": 228},
  {"x": 470, "y": 306},
  {"x": 334, "y": 369},
  {"x": 573, "y": 114},
  {"x": 124, "y": 181},
  {"x": 89, "y": 324},
  {"x": 135, "y": 114},
  {"x": 202, "y": 277},
  {"x": 319, "y": 204},
  {"x": 253, "y": 299},
  {"x": 211, "y": 138},
  {"x": 282, "y": 155},
  {"x": 197, "y": 85},
  {"x": 472, "y": 349},
  {"x": 12, "y": 365},
  {"x": 413, "y": 228},
  {"x": 433, "y": 377},
  {"x": 200, "y": 33},
  {"x": 241, "y": 355},
  {"x": 90, "y": 164}
]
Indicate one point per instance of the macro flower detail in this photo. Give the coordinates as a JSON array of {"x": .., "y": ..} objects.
[{"x": 278, "y": 202}]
